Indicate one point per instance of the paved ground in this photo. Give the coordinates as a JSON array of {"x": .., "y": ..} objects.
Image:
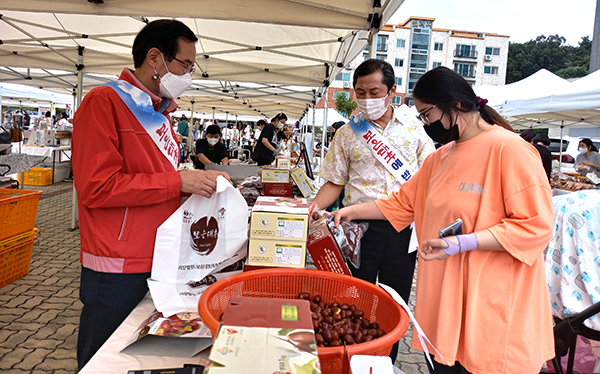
[{"x": 39, "y": 313}]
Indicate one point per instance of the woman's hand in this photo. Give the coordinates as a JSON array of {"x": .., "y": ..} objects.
[
  {"x": 344, "y": 214},
  {"x": 431, "y": 249}
]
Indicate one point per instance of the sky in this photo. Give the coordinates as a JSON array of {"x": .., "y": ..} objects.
[{"x": 522, "y": 20}]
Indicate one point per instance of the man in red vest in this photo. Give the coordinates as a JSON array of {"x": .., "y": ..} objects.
[{"x": 125, "y": 161}]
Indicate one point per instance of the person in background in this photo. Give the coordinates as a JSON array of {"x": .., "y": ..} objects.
[
  {"x": 64, "y": 120},
  {"x": 588, "y": 159},
  {"x": 26, "y": 120},
  {"x": 540, "y": 142},
  {"x": 211, "y": 150},
  {"x": 266, "y": 148},
  {"x": 127, "y": 180},
  {"x": 482, "y": 294},
  {"x": 183, "y": 126},
  {"x": 529, "y": 135},
  {"x": 279, "y": 122},
  {"x": 260, "y": 125},
  {"x": 351, "y": 165},
  {"x": 46, "y": 123}
]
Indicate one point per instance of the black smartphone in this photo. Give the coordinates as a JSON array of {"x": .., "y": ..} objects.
[{"x": 455, "y": 228}]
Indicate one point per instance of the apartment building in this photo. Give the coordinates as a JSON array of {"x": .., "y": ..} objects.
[{"x": 415, "y": 47}]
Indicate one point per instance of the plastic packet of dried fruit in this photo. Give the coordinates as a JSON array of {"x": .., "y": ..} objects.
[{"x": 347, "y": 235}]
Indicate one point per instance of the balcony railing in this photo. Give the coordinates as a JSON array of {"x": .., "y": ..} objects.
[
  {"x": 382, "y": 48},
  {"x": 465, "y": 54},
  {"x": 466, "y": 74}
]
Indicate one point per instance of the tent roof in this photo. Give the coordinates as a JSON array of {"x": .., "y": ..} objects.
[
  {"x": 272, "y": 42},
  {"x": 344, "y": 14}
]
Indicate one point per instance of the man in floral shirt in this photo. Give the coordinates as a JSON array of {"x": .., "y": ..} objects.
[{"x": 349, "y": 164}]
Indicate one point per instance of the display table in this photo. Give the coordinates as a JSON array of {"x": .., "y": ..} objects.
[
  {"x": 109, "y": 359},
  {"x": 573, "y": 256},
  {"x": 60, "y": 156}
]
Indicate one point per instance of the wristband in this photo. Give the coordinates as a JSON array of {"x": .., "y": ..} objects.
[{"x": 466, "y": 242}]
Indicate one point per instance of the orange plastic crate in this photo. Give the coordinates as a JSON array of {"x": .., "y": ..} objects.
[
  {"x": 18, "y": 209},
  {"x": 377, "y": 305},
  {"x": 15, "y": 256},
  {"x": 37, "y": 177}
]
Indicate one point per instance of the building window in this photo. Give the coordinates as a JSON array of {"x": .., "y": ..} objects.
[
  {"x": 492, "y": 51},
  {"x": 382, "y": 43},
  {"x": 365, "y": 56},
  {"x": 380, "y": 57},
  {"x": 338, "y": 93},
  {"x": 490, "y": 70},
  {"x": 398, "y": 81},
  {"x": 438, "y": 47},
  {"x": 397, "y": 100},
  {"x": 420, "y": 39},
  {"x": 465, "y": 50},
  {"x": 344, "y": 77},
  {"x": 466, "y": 70},
  {"x": 418, "y": 61},
  {"x": 399, "y": 62},
  {"x": 436, "y": 64},
  {"x": 400, "y": 43}
]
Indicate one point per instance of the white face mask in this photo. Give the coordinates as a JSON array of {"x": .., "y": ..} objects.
[
  {"x": 372, "y": 109},
  {"x": 280, "y": 125},
  {"x": 212, "y": 141},
  {"x": 583, "y": 150},
  {"x": 171, "y": 85}
]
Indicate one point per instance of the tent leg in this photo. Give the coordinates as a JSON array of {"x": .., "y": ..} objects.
[
  {"x": 75, "y": 210},
  {"x": 323, "y": 142},
  {"x": 562, "y": 126}
]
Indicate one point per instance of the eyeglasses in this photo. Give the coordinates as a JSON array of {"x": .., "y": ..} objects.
[
  {"x": 423, "y": 116},
  {"x": 189, "y": 68}
]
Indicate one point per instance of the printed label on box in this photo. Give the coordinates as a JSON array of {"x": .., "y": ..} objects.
[
  {"x": 288, "y": 254},
  {"x": 290, "y": 227}
]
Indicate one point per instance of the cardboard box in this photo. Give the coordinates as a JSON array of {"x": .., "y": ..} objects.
[
  {"x": 324, "y": 249},
  {"x": 279, "y": 189},
  {"x": 280, "y": 253},
  {"x": 279, "y": 218},
  {"x": 181, "y": 335},
  {"x": 282, "y": 162},
  {"x": 270, "y": 175},
  {"x": 265, "y": 336},
  {"x": 304, "y": 184}
]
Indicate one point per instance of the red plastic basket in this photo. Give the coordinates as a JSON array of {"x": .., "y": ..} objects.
[{"x": 377, "y": 305}]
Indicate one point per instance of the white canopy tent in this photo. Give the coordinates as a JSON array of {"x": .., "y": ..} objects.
[
  {"x": 279, "y": 44},
  {"x": 333, "y": 116}
]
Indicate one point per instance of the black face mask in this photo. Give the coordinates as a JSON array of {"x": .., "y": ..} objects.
[{"x": 438, "y": 133}]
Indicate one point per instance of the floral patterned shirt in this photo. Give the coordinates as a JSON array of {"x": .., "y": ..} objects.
[{"x": 349, "y": 163}]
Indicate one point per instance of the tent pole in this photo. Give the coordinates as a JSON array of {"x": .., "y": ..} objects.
[
  {"x": 74, "y": 210},
  {"x": 372, "y": 49},
  {"x": 324, "y": 135},
  {"x": 191, "y": 127},
  {"x": 562, "y": 126}
]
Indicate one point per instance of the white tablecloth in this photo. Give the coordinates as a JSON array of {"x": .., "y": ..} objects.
[
  {"x": 573, "y": 257},
  {"x": 41, "y": 151},
  {"x": 109, "y": 360}
]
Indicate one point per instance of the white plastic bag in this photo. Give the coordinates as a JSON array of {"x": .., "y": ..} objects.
[{"x": 202, "y": 237}]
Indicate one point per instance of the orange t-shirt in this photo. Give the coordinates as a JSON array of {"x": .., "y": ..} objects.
[{"x": 487, "y": 309}]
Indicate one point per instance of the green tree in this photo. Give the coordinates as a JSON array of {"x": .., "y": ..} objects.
[
  {"x": 345, "y": 105},
  {"x": 550, "y": 53}
]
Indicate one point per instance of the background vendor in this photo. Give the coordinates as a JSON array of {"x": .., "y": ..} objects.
[
  {"x": 588, "y": 159},
  {"x": 211, "y": 150}
]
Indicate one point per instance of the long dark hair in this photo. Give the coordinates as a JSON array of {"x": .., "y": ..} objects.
[{"x": 444, "y": 88}]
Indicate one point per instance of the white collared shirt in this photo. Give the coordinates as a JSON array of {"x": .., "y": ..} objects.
[{"x": 349, "y": 163}]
